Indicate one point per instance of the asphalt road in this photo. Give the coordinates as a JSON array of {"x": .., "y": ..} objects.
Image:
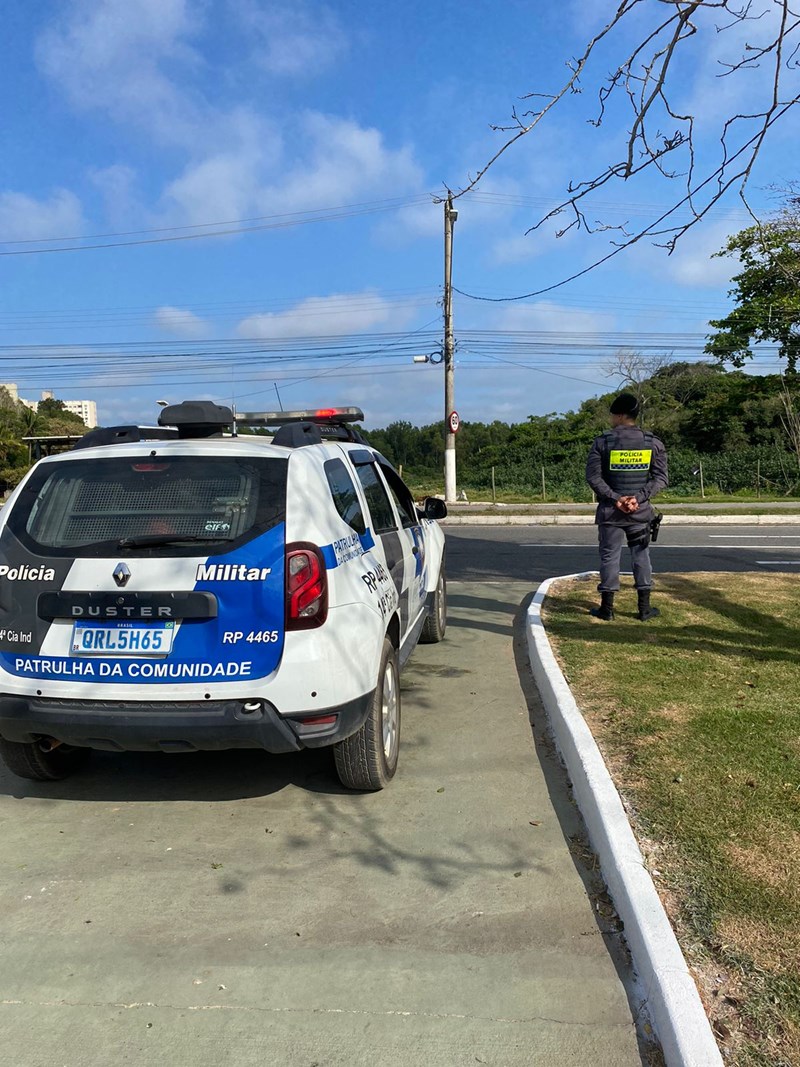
[
  {"x": 240, "y": 910},
  {"x": 533, "y": 553}
]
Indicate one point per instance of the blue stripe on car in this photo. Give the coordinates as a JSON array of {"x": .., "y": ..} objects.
[{"x": 346, "y": 548}]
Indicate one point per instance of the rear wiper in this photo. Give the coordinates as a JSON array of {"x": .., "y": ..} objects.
[{"x": 165, "y": 539}]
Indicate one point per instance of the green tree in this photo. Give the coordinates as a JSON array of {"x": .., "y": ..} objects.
[
  {"x": 766, "y": 291},
  {"x": 55, "y": 420}
]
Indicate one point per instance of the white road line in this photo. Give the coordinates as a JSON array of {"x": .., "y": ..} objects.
[
  {"x": 779, "y": 562},
  {"x": 673, "y": 548},
  {"x": 754, "y": 537}
]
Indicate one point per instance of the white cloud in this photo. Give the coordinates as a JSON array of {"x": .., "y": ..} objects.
[
  {"x": 125, "y": 407},
  {"x": 324, "y": 316},
  {"x": 136, "y": 61},
  {"x": 116, "y": 185},
  {"x": 291, "y": 39},
  {"x": 496, "y": 207},
  {"x": 692, "y": 264},
  {"x": 24, "y": 218},
  {"x": 181, "y": 322},
  {"x": 524, "y": 247},
  {"x": 547, "y": 316},
  {"x": 714, "y": 94},
  {"x": 410, "y": 223},
  {"x": 341, "y": 161},
  {"x": 119, "y": 56},
  {"x": 222, "y": 186},
  {"x": 516, "y": 249}
]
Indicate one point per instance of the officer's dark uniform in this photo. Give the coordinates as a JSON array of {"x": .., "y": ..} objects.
[{"x": 625, "y": 461}]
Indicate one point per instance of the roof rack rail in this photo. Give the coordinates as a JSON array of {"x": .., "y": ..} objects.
[
  {"x": 120, "y": 435},
  {"x": 203, "y": 418}
]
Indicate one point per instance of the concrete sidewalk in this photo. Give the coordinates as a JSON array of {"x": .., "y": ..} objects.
[{"x": 242, "y": 910}]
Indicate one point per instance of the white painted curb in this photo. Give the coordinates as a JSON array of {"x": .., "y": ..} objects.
[
  {"x": 676, "y": 1010},
  {"x": 532, "y": 519}
]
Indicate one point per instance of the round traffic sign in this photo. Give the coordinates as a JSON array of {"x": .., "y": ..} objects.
[{"x": 454, "y": 421}]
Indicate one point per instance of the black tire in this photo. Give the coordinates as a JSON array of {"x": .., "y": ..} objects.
[
  {"x": 30, "y": 760},
  {"x": 368, "y": 759},
  {"x": 436, "y": 623}
]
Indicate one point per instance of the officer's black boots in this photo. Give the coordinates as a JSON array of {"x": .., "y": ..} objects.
[
  {"x": 645, "y": 611},
  {"x": 606, "y": 609}
]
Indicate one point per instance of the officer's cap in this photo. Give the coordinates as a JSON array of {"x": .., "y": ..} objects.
[{"x": 625, "y": 404}]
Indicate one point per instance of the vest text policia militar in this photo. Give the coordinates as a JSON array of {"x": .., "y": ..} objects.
[{"x": 626, "y": 470}]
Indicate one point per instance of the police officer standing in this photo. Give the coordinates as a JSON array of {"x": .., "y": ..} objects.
[{"x": 625, "y": 468}]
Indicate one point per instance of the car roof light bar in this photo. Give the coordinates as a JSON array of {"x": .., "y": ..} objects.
[{"x": 333, "y": 416}]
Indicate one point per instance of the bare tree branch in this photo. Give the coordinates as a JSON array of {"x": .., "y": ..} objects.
[{"x": 647, "y": 80}]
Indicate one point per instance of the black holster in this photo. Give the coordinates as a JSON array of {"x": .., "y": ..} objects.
[
  {"x": 655, "y": 524},
  {"x": 639, "y": 538}
]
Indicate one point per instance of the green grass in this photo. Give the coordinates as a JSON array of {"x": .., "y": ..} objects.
[{"x": 698, "y": 713}]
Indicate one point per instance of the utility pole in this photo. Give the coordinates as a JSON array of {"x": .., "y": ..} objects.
[{"x": 450, "y": 216}]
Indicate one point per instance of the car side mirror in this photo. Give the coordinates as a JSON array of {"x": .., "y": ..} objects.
[{"x": 434, "y": 508}]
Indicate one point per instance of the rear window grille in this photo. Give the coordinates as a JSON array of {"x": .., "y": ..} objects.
[
  {"x": 182, "y": 507},
  {"x": 81, "y": 530},
  {"x": 88, "y": 503},
  {"x": 176, "y": 495}
]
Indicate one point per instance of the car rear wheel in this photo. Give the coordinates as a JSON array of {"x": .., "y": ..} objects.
[
  {"x": 368, "y": 759},
  {"x": 34, "y": 760},
  {"x": 436, "y": 623}
]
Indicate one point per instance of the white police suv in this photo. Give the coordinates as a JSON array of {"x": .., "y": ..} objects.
[{"x": 190, "y": 586}]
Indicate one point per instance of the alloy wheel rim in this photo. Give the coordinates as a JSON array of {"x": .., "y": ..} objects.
[
  {"x": 442, "y": 604},
  {"x": 390, "y": 713}
]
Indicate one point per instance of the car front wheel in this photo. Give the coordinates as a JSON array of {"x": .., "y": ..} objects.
[
  {"x": 368, "y": 759},
  {"x": 436, "y": 623}
]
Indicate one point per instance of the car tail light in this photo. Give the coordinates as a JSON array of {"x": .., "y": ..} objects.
[{"x": 306, "y": 587}]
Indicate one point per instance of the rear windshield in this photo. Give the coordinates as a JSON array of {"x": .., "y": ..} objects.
[{"x": 93, "y": 505}]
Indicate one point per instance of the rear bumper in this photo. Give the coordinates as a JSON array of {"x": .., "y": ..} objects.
[{"x": 175, "y": 726}]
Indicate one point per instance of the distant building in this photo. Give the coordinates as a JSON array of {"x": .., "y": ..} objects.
[{"x": 84, "y": 409}]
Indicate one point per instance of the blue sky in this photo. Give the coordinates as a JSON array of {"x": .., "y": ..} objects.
[{"x": 152, "y": 119}]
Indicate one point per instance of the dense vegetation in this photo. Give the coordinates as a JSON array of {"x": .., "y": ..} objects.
[
  {"x": 739, "y": 426},
  {"x": 744, "y": 429},
  {"x": 18, "y": 421}
]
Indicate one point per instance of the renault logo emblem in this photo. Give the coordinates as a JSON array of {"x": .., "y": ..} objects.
[{"x": 122, "y": 574}]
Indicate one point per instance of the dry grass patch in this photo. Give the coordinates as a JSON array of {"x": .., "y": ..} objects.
[
  {"x": 765, "y": 943},
  {"x": 775, "y": 863},
  {"x": 674, "y": 712}
]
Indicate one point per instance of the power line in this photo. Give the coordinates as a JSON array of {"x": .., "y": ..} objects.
[
  {"x": 279, "y": 222},
  {"x": 311, "y": 308}
]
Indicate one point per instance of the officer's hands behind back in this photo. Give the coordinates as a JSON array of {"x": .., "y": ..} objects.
[{"x": 628, "y": 504}]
